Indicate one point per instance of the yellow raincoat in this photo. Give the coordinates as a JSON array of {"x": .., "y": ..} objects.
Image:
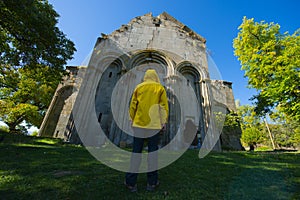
[{"x": 149, "y": 103}]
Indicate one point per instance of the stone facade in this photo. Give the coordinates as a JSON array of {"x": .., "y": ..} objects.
[
  {"x": 161, "y": 42},
  {"x": 58, "y": 121}
]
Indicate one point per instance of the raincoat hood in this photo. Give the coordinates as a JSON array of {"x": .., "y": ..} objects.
[
  {"x": 151, "y": 75},
  {"x": 149, "y": 103}
]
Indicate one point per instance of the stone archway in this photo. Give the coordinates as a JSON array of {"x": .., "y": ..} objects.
[
  {"x": 140, "y": 61},
  {"x": 58, "y": 113},
  {"x": 193, "y": 79},
  {"x": 145, "y": 59},
  {"x": 106, "y": 84}
]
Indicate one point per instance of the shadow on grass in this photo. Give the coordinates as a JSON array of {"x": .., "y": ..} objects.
[
  {"x": 34, "y": 171},
  {"x": 9, "y": 138}
]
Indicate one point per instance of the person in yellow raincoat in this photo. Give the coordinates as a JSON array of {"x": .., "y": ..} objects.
[{"x": 149, "y": 113}]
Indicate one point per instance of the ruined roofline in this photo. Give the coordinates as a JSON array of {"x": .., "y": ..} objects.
[
  {"x": 162, "y": 16},
  {"x": 183, "y": 27},
  {"x": 75, "y": 67},
  {"x": 227, "y": 83}
]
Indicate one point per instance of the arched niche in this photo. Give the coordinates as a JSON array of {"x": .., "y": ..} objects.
[
  {"x": 51, "y": 128},
  {"x": 193, "y": 77},
  {"x": 145, "y": 59},
  {"x": 191, "y": 74},
  {"x": 107, "y": 82}
]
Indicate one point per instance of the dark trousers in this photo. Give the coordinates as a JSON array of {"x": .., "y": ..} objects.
[{"x": 138, "y": 143}]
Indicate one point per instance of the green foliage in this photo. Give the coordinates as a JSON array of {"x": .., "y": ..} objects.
[
  {"x": 271, "y": 63},
  {"x": 295, "y": 139},
  {"x": 252, "y": 135},
  {"x": 35, "y": 133},
  {"x": 29, "y": 35},
  {"x": 248, "y": 116},
  {"x": 4, "y": 129},
  {"x": 232, "y": 121},
  {"x": 286, "y": 131},
  {"x": 33, "y": 52},
  {"x": 252, "y": 128}
]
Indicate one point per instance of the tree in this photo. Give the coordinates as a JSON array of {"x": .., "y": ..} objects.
[
  {"x": 252, "y": 128},
  {"x": 286, "y": 131},
  {"x": 33, "y": 52},
  {"x": 271, "y": 63}
]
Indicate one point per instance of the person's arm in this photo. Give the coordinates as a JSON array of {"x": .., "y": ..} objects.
[{"x": 133, "y": 105}]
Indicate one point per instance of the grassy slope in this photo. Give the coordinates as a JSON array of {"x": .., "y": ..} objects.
[{"x": 39, "y": 168}]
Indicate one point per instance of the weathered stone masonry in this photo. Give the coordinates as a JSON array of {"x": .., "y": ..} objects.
[{"x": 161, "y": 42}]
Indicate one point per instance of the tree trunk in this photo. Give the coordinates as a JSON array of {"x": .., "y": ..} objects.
[
  {"x": 12, "y": 125},
  {"x": 12, "y": 128}
]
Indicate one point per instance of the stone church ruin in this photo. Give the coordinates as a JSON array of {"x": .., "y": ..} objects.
[{"x": 87, "y": 99}]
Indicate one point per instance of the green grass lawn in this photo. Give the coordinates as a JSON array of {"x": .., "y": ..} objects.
[{"x": 40, "y": 168}]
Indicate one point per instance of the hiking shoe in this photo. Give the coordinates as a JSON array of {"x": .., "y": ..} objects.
[
  {"x": 131, "y": 188},
  {"x": 152, "y": 187}
]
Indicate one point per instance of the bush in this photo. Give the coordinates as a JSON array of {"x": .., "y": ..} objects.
[
  {"x": 4, "y": 129},
  {"x": 34, "y": 133},
  {"x": 252, "y": 136}
]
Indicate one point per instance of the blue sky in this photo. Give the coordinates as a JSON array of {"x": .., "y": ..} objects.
[{"x": 215, "y": 20}]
